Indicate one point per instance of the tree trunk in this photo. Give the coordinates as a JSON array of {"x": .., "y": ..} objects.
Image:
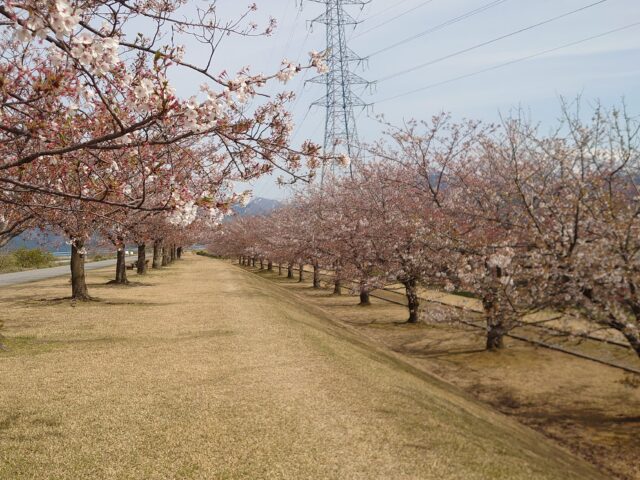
[
  {"x": 365, "y": 299},
  {"x": 172, "y": 253},
  {"x": 270, "y": 266},
  {"x": 261, "y": 264},
  {"x": 290, "y": 270},
  {"x": 121, "y": 267},
  {"x": 301, "y": 273},
  {"x": 634, "y": 341},
  {"x": 179, "y": 253},
  {"x": 630, "y": 332},
  {"x": 142, "y": 259},
  {"x": 157, "y": 254},
  {"x": 495, "y": 337},
  {"x": 79, "y": 289},
  {"x": 497, "y": 322},
  {"x": 413, "y": 301},
  {"x": 337, "y": 282},
  {"x": 279, "y": 269},
  {"x": 165, "y": 256},
  {"x": 253, "y": 262},
  {"x": 316, "y": 275}
]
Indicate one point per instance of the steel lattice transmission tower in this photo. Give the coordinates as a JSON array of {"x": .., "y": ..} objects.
[{"x": 341, "y": 134}]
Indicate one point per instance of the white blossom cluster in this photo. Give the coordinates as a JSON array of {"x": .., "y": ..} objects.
[
  {"x": 62, "y": 19},
  {"x": 184, "y": 215},
  {"x": 100, "y": 54},
  {"x": 287, "y": 72},
  {"x": 500, "y": 260},
  {"x": 91, "y": 51},
  {"x": 184, "y": 212}
]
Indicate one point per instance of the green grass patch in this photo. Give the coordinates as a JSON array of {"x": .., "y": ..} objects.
[{"x": 26, "y": 259}]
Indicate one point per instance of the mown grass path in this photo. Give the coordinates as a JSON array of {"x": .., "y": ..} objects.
[{"x": 206, "y": 371}]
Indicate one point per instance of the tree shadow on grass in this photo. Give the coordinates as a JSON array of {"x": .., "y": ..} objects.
[
  {"x": 36, "y": 428},
  {"x": 113, "y": 283},
  {"x": 62, "y": 301}
]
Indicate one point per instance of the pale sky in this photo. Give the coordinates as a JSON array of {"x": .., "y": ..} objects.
[{"x": 605, "y": 68}]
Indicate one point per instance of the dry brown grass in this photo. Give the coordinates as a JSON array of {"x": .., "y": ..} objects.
[
  {"x": 592, "y": 409},
  {"x": 206, "y": 371}
]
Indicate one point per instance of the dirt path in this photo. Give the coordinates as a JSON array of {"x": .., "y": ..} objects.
[{"x": 207, "y": 371}]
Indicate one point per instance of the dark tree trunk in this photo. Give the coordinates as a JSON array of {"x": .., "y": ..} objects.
[
  {"x": 634, "y": 341},
  {"x": 279, "y": 269},
  {"x": 495, "y": 337},
  {"x": 79, "y": 289},
  {"x": 253, "y": 262},
  {"x": 301, "y": 273},
  {"x": 261, "y": 265},
  {"x": 365, "y": 299},
  {"x": 337, "y": 282},
  {"x": 497, "y": 322},
  {"x": 290, "y": 270},
  {"x": 121, "y": 267},
  {"x": 631, "y": 333},
  {"x": 239, "y": 260},
  {"x": 179, "y": 253},
  {"x": 165, "y": 256},
  {"x": 270, "y": 266},
  {"x": 142, "y": 259},
  {"x": 172, "y": 253},
  {"x": 316, "y": 275},
  {"x": 413, "y": 301},
  {"x": 157, "y": 254}
]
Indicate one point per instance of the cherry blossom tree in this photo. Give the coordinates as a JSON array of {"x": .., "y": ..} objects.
[
  {"x": 75, "y": 77},
  {"x": 572, "y": 206},
  {"x": 90, "y": 124}
]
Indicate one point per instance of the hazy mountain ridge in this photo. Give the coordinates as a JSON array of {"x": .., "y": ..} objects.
[
  {"x": 56, "y": 243},
  {"x": 257, "y": 206}
]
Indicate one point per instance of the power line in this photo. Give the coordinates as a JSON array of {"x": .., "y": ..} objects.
[
  {"x": 393, "y": 18},
  {"x": 299, "y": 126},
  {"x": 381, "y": 12},
  {"x": 440, "y": 26},
  {"x": 502, "y": 65},
  {"x": 292, "y": 32},
  {"x": 488, "y": 42}
]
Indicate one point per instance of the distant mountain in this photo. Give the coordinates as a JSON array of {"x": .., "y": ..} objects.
[
  {"x": 51, "y": 242},
  {"x": 257, "y": 206},
  {"x": 38, "y": 239},
  {"x": 56, "y": 243}
]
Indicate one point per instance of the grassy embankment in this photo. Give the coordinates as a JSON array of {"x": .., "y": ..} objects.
[
  {"x": 206, "y": 371},
  {"x": 588, "y": 408}
]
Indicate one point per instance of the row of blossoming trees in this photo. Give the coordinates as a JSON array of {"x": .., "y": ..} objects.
[
  {"x": 525, "y": 221},
  {"x": 95, "y": 141}
]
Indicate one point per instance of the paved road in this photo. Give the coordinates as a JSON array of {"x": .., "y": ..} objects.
[{"x": 27, "y": 276}]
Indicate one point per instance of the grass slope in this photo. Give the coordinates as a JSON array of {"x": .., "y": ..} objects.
[{"x": 207, "y": 371}]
